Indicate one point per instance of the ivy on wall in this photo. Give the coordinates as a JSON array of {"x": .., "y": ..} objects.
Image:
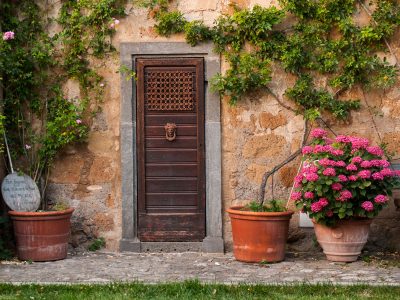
[
  {"x": 323, "y": 41},
  {"x": 38, "y": 119}
]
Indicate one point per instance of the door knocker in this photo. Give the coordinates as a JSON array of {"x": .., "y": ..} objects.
[{"x": 170, "y": 131}]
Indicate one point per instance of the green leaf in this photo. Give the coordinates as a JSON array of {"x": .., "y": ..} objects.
[{"x": 367, "y": 183}]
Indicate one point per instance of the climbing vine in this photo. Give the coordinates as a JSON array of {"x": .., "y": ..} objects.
[
  {"x": 38, "y": 119},
  {"x": 325, "y": 40}
]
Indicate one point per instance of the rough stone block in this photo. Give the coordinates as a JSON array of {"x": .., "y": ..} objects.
[
  {"x": 67, "y": 170},
  {"x": 264, "y": 146},
  {"x": 190, "y": 5},
  {"x": 100, "y": 143},
  {"x": 268, "y": 120},
  {"x": 101, "y": 170}
]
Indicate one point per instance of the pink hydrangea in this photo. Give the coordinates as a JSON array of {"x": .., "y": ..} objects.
[
  {"x": 357, "y": 160},
  {"x": 340, "y": 163},
  {"x": 367, "y": 206},
  {"x": 328, "y": 141},
  {"x": 377, "y": 176},
  {"x": 381, "y": 199},
  {"x": 337, "y": 186},
  {"x": 386, "y": 172},
  {"x": 342, "y": 178},
  {"x": 309, "y": 168},
  {"x": 396, "y": 173},
  {"x": 298, "y": 178},
  {"x": 309, "y": 195},
  {"x": 312, "y": 177},
  {"x": 384, "y": 163},
  {"x": 319, "y": 149},
  {"x": 9, "y": 35},
  {"x": 342, "y": 139},
  {"x": 297, "y": 184},
  {"x": 345, "y": 195},
  {"x": 364, "y": 174},
  {"x": 316, "y": 207},
  {"x": 351, "y": 167},
  {"x": 358, "y": 143},
  {"x": 328, "y": 148},
  {"x": 307, "y": 150},
  {"x": 323, "y": 202},
  {"x": 376, "y": 162},
  {"x": 325, "y": 162},
  {"x": 329, "y": 213},
  {"x": 329, "y": 172},
  {"x": 296, "y": 196},
  {"x": 366, "y": 164},
  {"x": 337, "y": 152},
  {"x": 353, "y": 178},
  {"x": 374, "y": 150},
  {"x": 318, "y": 133}
]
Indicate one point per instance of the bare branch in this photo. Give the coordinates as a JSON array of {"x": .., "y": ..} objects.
[
  {"x": 261, "y": 194},
  {"x": 372, "y": 116},
  {"x": 275, "y": 96},
  {"x": 326, "y": 125}
]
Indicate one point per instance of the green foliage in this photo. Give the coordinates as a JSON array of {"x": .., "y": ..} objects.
[
  {"x": 196, "y": 32},
  {"x": 272, "y": 206},
  {"x": 324, "y": 40},
  {"x": 314, "y": 100},
  {"x": 247, "y": 72},
  {"x": 195, "y": 290},
  {"x": 39, "y": 121},
  {"x": 170, "y": 23},
  {"x": 88, "y": 27},
  {"x": 59, "y": 206},
  {"x": 157, "y": 7},
  {"x": 97, "y": 244}
]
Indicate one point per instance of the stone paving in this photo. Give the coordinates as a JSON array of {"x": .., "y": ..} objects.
[{"x": 104, "y": 267}]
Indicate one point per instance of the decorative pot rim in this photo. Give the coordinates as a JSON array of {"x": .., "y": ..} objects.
[
  {"x": 236, "y": 210},
  {"x": 14, "y": 213}
]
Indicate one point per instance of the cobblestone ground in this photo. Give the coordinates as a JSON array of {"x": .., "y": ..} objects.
[{"x": 103, "y": 267}]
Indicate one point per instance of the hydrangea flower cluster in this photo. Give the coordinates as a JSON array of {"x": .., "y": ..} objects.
[
  {"x": 9, "y": 35},
  {"x": 343, "y": 178}
]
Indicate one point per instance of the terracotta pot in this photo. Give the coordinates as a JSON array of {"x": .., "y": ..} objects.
[
  {"x": 42, "y": 236},
  {"x": 259, "y": 236},
  {"x": 344, "y": 242}
]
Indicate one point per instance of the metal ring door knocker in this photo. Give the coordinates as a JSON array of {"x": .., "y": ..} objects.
[{"x": 170, "y": 131}]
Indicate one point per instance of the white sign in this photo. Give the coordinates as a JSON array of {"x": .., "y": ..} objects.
[{"x": 20, "y": 192}]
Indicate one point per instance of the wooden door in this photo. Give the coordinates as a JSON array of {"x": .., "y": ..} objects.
[{"x": 170, "y": 149}]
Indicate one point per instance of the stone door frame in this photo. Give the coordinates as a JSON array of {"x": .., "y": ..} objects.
[{"x": 213, "y": 242}]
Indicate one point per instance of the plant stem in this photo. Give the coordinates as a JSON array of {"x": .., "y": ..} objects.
[{"x": 261, "y": 194}]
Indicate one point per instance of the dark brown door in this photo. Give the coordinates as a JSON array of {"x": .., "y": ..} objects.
[{"x": 170, "y": 149}]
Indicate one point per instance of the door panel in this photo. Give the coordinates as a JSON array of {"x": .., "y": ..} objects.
[{"x": 171, "y": 183}]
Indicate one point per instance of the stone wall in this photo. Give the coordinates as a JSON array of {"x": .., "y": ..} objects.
[{"x": 257, "y": 133}]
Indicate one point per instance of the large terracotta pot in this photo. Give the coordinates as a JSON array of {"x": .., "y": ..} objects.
[
  {"x": 42, "y": 236},
  {"x": 344, "y": 241},
  {"x": 259, "y": 236}
]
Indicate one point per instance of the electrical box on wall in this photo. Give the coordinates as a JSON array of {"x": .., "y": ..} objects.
[{"x": 305, "y": 221}]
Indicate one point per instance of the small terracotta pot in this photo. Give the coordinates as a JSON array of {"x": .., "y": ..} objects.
[
  {"x": 42, "y": 236},
  {"x": 259, "y": 236},
  {"x": 344, "y": 241}
]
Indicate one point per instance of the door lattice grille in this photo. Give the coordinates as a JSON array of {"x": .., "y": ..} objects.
[{"x": 169, "y": 90}]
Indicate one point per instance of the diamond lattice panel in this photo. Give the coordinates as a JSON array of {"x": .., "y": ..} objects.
[{"x": 169, "y": 89}]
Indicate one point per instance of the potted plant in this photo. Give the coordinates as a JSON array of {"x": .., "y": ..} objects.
[
  {"x": 343, "y": 184},
  {"x": 39, "y": 122},
  {"x": 260, "y": 231}
]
